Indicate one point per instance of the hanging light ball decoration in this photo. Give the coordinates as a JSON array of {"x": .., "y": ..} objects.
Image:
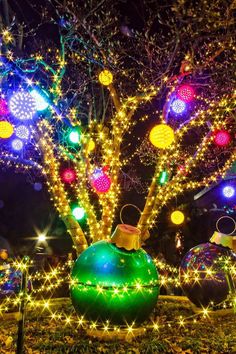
[
  {"x": 178, "y": 106},
  {"x": 91, "y": 145},
  {"x": 74, "y": 136},
  {"x": 17, "y": 144},
  {"x": 105, "y": 77},
  {"x": 68, "y": 175},
  {"x": 177, "y": 217},
  {"x": 162, "y": 136},
  {"x": 115, "y": 280},
  {"x": 78, "y": 213},
  {"x": 22, "y": 105},
  {"x": 100, "y": 181},
  {"x": 3, "y": 254},
  {"x": 38, "y": 186},
  {"x": 228, "y": 191},
  {"x": 41, "y": 103},
  {"x": 6, "y": 129},
  {"x": 222, "y": 138},
  {"x": 22, "y": 132},
  {"x": 3, "y": 107},
  {"x": 186, "y": 93},
  {"x": 202, "y": 277}
]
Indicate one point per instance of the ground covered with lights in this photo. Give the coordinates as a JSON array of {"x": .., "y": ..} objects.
[{"x": 174, "y": 327}]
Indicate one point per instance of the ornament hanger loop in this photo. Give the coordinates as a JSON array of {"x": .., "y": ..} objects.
[
  {"x": 123, "y": 207},
  {"x": 226, "y": 217}
]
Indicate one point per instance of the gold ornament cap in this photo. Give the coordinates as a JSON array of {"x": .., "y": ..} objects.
[
  {"x": 127, "y": 237},
  {"x": 222, "y": 239}
]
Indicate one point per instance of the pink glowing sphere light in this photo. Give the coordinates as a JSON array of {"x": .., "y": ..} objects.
[
  {"x": 3, "y": 107},
  {"x": 186, "y": 93},
  {"x": 68, "y": 175},
  {"x": 102, "y": 183},
  {"x": 222, "y": 138}
]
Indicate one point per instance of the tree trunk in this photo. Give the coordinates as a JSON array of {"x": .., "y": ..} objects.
[
  {"x": 143, "y": 223},
  {"x": 73, "y": 228}
]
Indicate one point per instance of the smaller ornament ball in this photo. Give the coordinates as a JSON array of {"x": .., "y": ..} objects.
[
  {"x": 202, "y": 277},
  {"x": 105, "y": 77},
  {"x": 6, "y": 129},
  {"x": 162, "y": 136}
]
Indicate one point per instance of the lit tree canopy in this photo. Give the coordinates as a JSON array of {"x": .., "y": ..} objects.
[{"x": 69, "y": 104}]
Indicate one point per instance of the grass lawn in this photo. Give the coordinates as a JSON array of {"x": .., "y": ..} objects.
[{"x": 165, "y": 332}]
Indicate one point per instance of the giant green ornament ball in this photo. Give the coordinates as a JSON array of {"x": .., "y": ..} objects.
[{"x": 115, "y": 284}]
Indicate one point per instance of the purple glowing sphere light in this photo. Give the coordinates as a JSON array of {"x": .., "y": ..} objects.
[
  {"x": 228, "y": 191},
  {"x": 178, "y": 106}
]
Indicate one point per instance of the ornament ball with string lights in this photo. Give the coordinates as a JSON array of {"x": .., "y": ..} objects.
[
  {"x": 100, "y": 181},
  {"x": 222, "y": 138},
  {"x": 115, "y": 280},
  {"x": 68, "y": 175}
]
